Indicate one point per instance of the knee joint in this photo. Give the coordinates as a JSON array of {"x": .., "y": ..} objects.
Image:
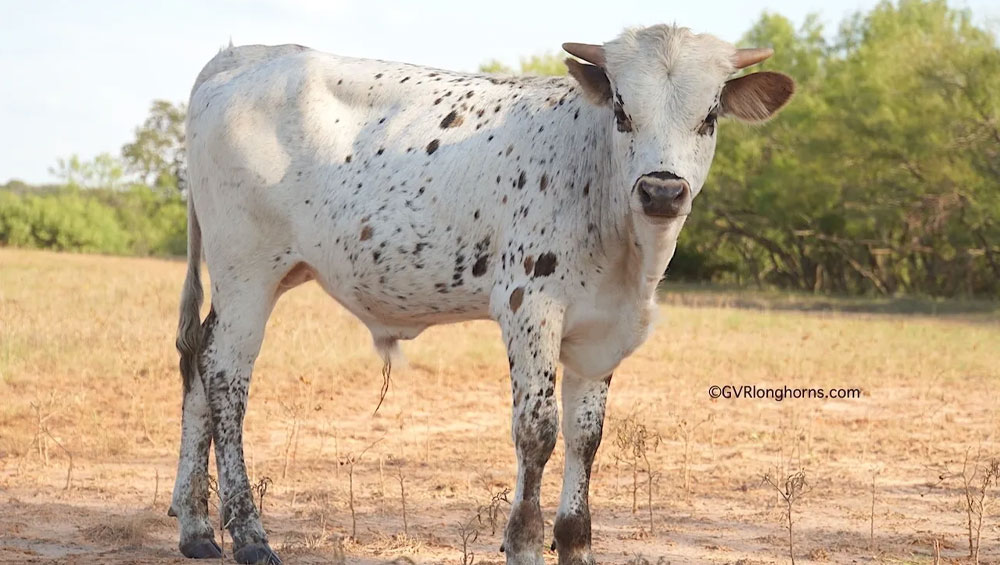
[
  {"x": 587, "y": 441},
  {"x": 537, "y": 433}
]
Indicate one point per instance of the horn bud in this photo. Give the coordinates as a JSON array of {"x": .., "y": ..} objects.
[
  {"x": 593, "y": 54},
  {"x": 746, "y": 57}
]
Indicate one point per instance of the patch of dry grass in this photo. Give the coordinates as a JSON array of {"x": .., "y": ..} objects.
[{"x": 131, "y": 531}]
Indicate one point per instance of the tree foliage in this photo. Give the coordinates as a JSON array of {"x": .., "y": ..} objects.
[
  {"x": 546, "y": 64},
  {"x": 105, "y": 171},
  {"x": 136, "y": 221},
  {"x": 156, "y": 156},
  {"x": 882, "y": 176},
  {"x": 122, "y": 205}
]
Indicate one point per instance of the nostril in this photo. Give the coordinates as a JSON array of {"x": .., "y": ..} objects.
[
  {"x": 644, "y": 195},
  {"x": 681, "y": 194}
]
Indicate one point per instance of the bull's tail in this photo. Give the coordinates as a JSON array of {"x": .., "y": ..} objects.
[{"x": 192, "y": 295}]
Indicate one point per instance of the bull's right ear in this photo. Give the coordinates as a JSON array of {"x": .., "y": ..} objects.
[{"x": 594, "y": 82}]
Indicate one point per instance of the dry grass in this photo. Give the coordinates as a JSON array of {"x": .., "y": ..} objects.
[
  {"x": 90, "y": 339},
  {"x": 131, "y": 531}
]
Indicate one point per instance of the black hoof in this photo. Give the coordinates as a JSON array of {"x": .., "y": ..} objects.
[
  {"x": 254, "y": 554},
  {"x": 201, "y": 549}
]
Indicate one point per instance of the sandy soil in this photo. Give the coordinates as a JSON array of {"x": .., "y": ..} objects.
[{"x": 87, "y": 369}]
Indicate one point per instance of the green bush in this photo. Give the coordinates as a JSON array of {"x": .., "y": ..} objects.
[
  {"x": 882, "y": 174},
  {"x": 133, "y": 222}
]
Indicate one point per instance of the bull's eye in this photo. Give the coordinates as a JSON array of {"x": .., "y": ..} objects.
[
  {"x": 623, "y": 119},
  {"x": 707, "y": 127},
  {"x": 624, "y": 122}
]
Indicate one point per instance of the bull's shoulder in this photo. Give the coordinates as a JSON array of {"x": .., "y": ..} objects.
[{"x": 235, "y": 59}]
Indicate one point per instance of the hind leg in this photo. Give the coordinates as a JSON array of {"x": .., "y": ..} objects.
[
  {"x": 229, "y": 351},
  {"x": 190, "y": 499}
]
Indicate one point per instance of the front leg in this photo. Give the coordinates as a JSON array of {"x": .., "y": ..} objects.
[
  {"x": 583, "y": 423},
  {"x": 532, "y": 328}
]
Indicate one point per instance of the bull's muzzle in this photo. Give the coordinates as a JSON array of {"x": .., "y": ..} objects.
[{"x": 664, "y": 195}]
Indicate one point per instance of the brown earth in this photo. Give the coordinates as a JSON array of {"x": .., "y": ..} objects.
[{"x": 88, "y": 370}]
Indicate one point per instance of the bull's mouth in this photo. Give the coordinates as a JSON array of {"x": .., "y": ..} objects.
[{"x": 663, "y": 218}]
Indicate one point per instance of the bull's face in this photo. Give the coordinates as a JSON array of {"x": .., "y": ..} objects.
[{"x": 665, "y": 88}]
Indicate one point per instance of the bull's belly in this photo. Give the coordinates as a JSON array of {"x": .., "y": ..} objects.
[
  {"x": 419, "y": 309},
  {"x": 404, "y": 269},
  {"x": 399, "y": 304}
]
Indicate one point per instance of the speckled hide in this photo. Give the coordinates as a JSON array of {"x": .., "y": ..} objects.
[{"x": 416, "y": 196}]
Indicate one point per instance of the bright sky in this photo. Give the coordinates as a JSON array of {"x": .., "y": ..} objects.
[{"x": 79, "y": 76}]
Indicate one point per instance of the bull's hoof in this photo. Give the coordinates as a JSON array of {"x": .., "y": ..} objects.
[
  {"x": 204, "y": 548},
  {"x": 256, "y": 554}
]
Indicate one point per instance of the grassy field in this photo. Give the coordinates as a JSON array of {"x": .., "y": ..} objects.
[{"x": 90, "y": 407}]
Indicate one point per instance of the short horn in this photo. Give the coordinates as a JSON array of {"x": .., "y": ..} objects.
[
  {"x": 593, "y": 54},
  {"x": 746, "y": 57}
]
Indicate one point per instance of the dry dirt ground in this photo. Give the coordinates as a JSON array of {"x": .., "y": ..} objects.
[{"x": 90, "y": 406}]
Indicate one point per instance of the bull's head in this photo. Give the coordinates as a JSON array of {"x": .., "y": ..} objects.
[{"x": 666, "y": 87}]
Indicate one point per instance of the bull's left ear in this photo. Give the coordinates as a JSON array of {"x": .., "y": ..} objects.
[
  {"x": 592, "y": 78},
  {"x": 756, "y": 97}
]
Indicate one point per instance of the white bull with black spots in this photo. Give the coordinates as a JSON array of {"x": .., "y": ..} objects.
[{"x": 416, "y": 197}]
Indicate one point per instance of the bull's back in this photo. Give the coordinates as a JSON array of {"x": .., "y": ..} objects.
[
  {"x": 261, "y": 112},
  {"x": 241, "y": 58},
  {"x": 274, "y": 127},
  {"x": 395, "y": 183},
  {"x": 335, "y": 160}
]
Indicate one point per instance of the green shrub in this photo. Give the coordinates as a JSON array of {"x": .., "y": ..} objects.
[{"x": 133, "y": 222}]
